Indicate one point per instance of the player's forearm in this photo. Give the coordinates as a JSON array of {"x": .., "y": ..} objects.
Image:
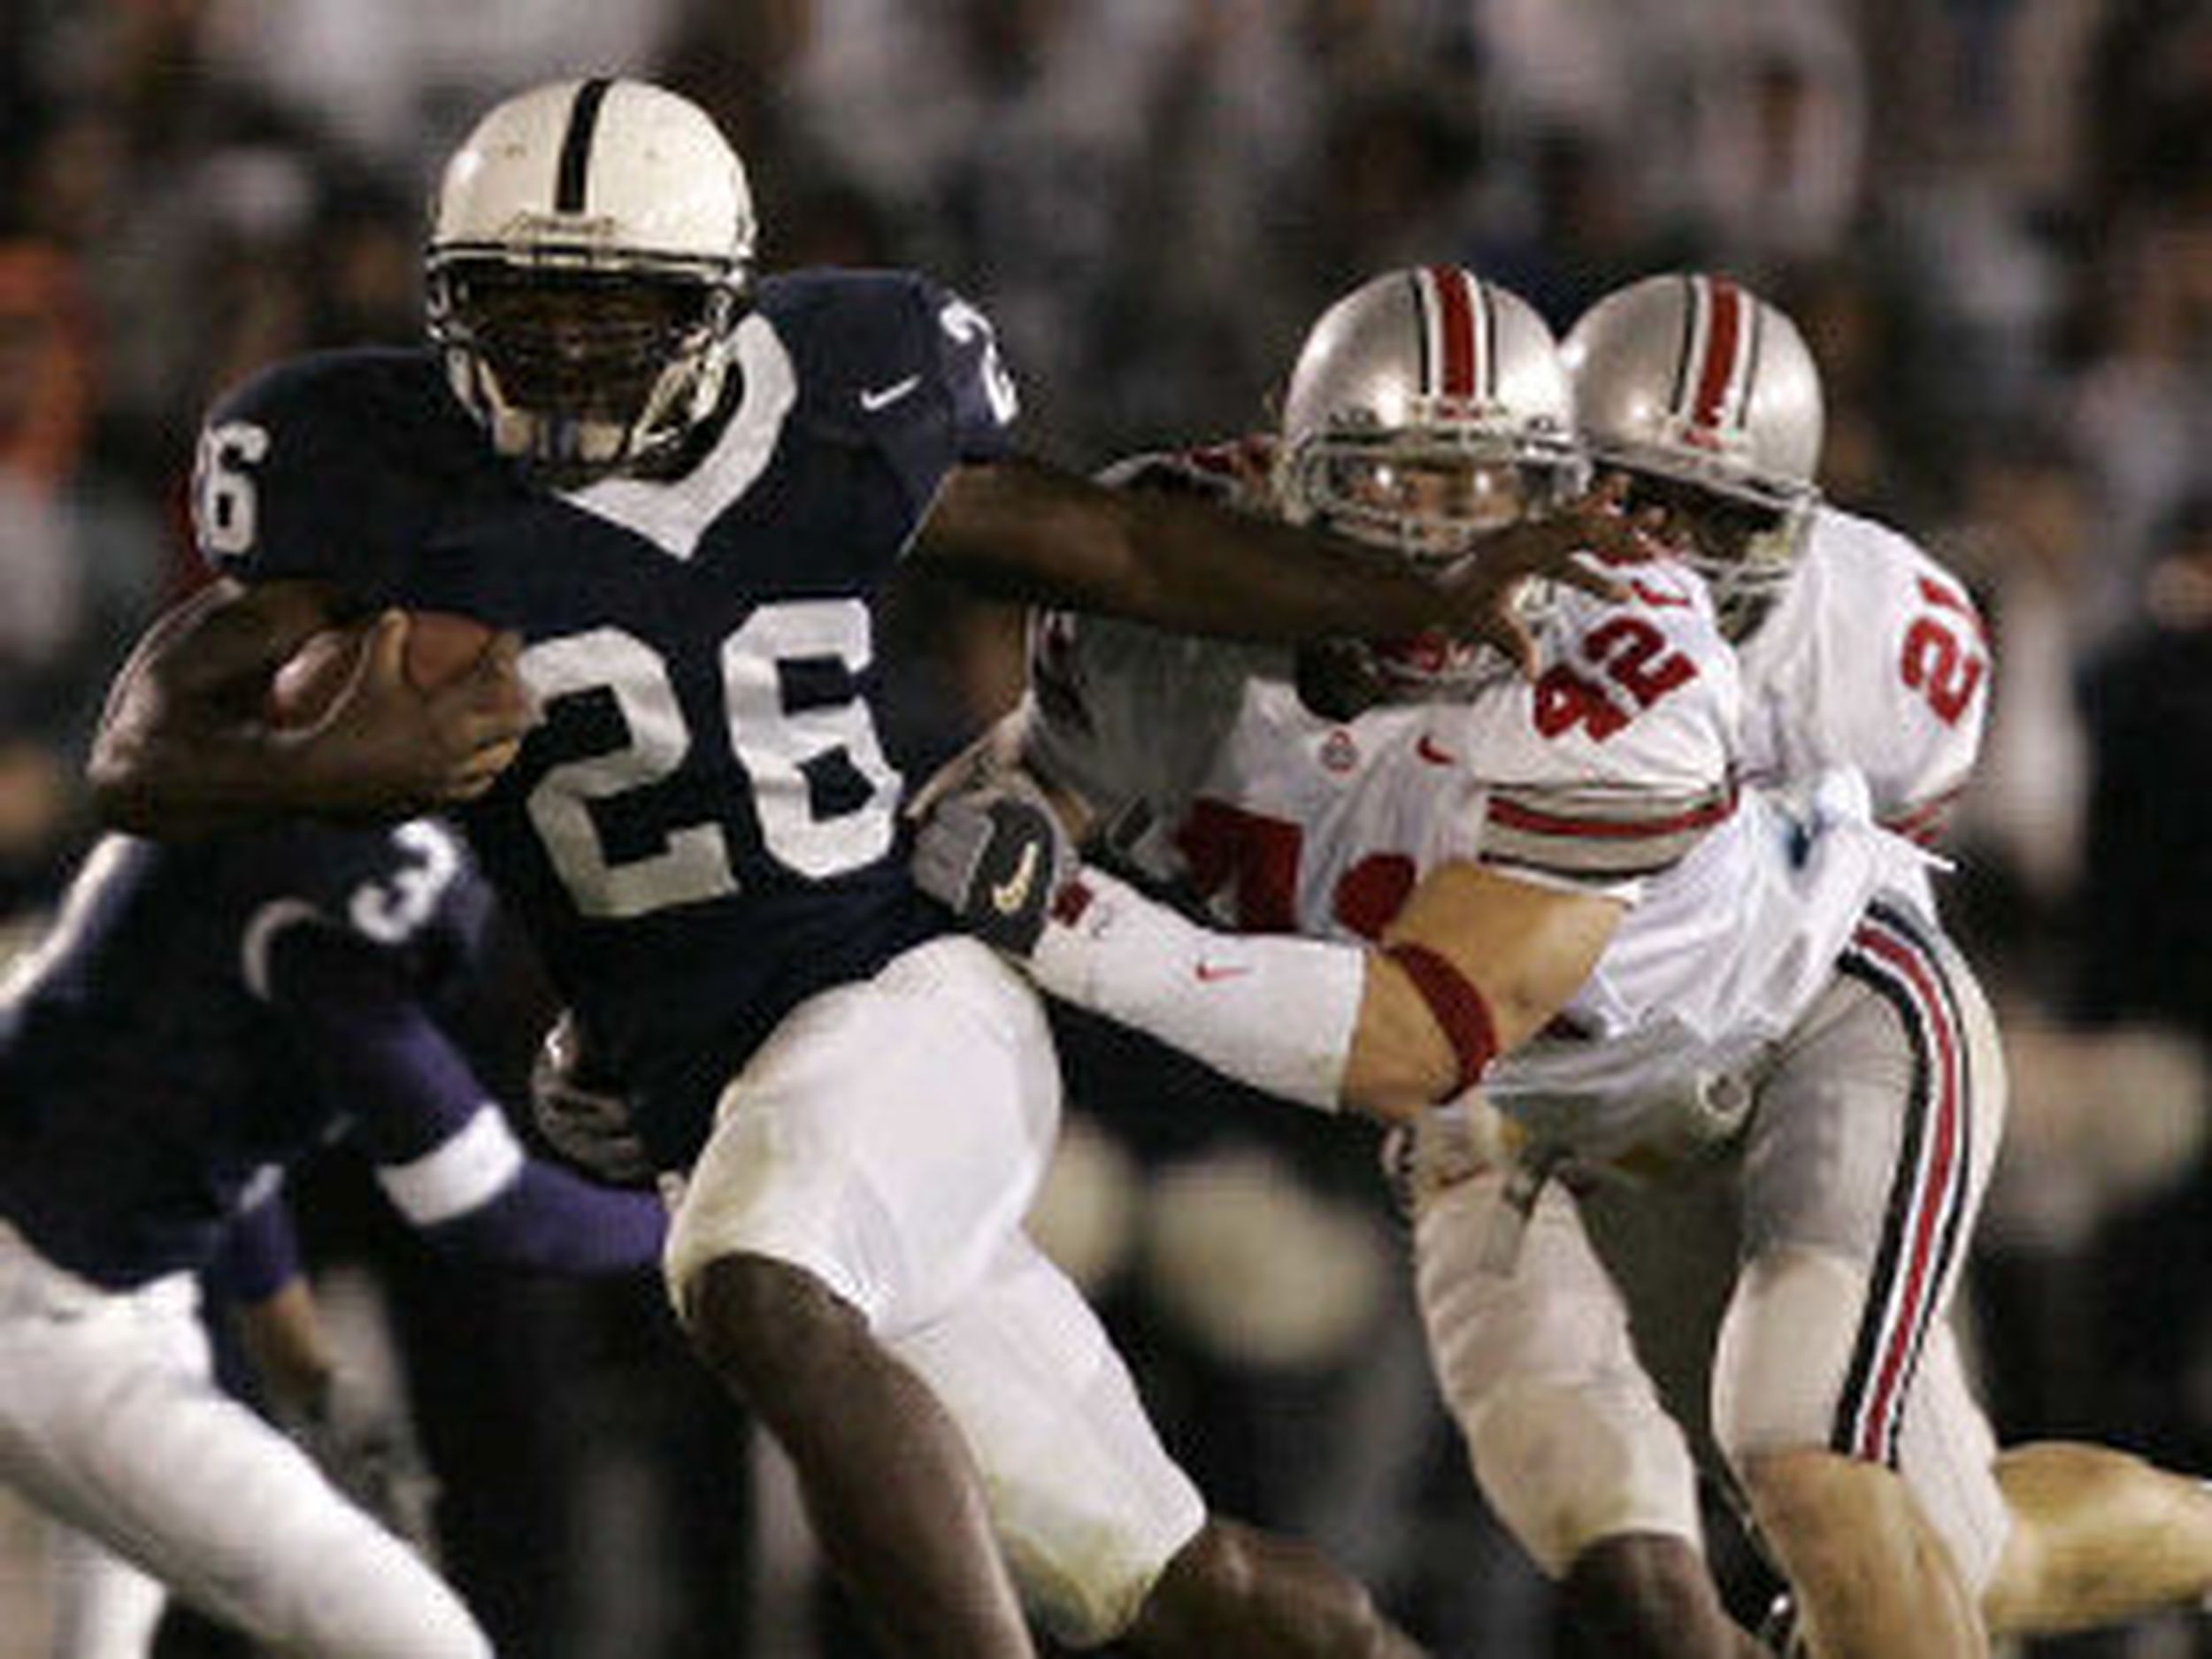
[
  {"x": 178, "y": 779},
  {"x": 1391, "y": 1031},
  {"x": 549, "y": 1220},
  {"x": 1176, "y": 561},
  {"x": 1274, "y": 1012},
  {"x": 182, "y": 747}
]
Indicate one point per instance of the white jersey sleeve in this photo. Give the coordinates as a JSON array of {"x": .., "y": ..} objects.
[
  {"x": 1124, "y": 715},
  {"x": 1875, "y": 658}
]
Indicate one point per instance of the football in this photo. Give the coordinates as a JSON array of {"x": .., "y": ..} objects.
[{"x": 441, "y": 645}]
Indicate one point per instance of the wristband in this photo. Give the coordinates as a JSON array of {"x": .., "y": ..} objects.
[{"x": 1458, "y": 1008}]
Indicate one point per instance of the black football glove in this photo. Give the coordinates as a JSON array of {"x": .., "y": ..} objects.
[
  {"x": 584, "y": 1118},
  {"x": 995, "y": 851}
]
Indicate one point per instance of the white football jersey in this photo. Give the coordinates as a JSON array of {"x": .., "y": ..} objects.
[
  {"x": 1874, "y": 656},
  {"x": 1601, "y": 771}
]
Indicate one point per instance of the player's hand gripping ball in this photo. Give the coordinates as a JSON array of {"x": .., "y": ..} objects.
[{"x": 441, "y": 646}]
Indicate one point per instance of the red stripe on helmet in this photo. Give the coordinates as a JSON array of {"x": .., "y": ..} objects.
[
  {"x": 1459, "y": 360},
  {"x": 1724, "y": 344}
]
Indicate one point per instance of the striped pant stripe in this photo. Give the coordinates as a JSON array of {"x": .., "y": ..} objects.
[{"x": 1922, "y": 1235}]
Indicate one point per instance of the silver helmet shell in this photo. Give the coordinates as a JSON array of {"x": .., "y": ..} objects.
[
  {"x": 1427, "y": 408},
  {"x": 625, "y": 199},
  {"x": 1694, "y": 380}
]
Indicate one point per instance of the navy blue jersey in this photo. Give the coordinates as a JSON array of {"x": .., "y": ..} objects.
[
  {"x": 705, "y": 829},
  {"x": 154, "y": 1080}
]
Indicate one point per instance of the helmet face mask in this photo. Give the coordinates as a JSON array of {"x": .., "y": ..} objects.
[
  {"x": 1427, "y": 502},
  {"x": 586, "y": 275},
  {"x": 1426, "y": 410},
  {"x": 1744, "y": 547},
  {"x": 590, "y": 371}
]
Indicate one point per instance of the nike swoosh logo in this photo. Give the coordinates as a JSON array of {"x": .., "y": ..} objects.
[
  {"x": 1008, "y": 896},
  {"x": 1214, "y": 972},
  {"x": 1427, "y": 750},
  {"x": 875, "y": 397}
]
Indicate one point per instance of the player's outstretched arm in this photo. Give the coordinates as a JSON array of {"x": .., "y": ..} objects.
[
  {"x": 1476, "y": 962},
  {"x": 1030, "y": 531},
  {"x": 186, "y": 745}
]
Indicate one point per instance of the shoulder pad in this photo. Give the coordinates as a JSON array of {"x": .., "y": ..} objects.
[{"x": 335, "y": 465}]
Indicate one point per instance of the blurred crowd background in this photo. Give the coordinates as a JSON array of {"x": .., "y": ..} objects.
[{"x": 1993, "y": 219}]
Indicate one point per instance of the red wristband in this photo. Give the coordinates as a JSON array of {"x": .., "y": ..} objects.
[{"x": 1458, "y": 1006}]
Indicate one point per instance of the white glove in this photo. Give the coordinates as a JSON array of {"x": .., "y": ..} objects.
[
  {"x": 995, "y": 852},
  {"x": 586, "y": 1119}
]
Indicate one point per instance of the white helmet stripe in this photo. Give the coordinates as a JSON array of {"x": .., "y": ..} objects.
[
  {"x": 1459, "y": 356},
  {"x": 575, "y": 166},
  {"x": 1720, "y": 355}
]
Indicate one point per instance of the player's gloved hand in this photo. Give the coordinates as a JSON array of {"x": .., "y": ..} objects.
[
  {"x": 995, "y": 851},
  {"x": 364, "y": 1443},
  {"x": 584, "y": 1116}
]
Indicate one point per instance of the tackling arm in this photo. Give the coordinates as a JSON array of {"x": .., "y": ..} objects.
[{"x": 1475, "y": 963}]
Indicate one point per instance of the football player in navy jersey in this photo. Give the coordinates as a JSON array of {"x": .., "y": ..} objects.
[
  {"x": 679, "y": 494},
  {"x": 197, "y": 1019}
]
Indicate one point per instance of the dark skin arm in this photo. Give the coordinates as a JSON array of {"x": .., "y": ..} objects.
[
  {"x": 1028, "y": 530},
  {"x": 185, "y": 747}
]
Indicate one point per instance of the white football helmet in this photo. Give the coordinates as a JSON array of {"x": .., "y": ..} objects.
[
  {"x": 589, "y": 255},
  {"x": 1427, "y": 408},
  {"x": 1706, "y": 395}
]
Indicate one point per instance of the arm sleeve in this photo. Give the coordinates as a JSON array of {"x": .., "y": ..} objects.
[
  {"x": 1275, "y": 1013},
  {"x": 445, "y": 1153},
  {"x": 314, "y": 468}
]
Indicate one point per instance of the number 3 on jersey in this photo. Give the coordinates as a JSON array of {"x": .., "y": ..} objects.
[{"x": 771, "y": 743}]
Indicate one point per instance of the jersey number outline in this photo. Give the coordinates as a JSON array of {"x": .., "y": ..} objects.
[
  {"x": 392, "y": 909},
  {"x": 1254, "y": 857},
  {"x": 225, "y": 509},
  {"x": 771, "y": 744},
  {"x": 1936, "y": 661},
  {"x": 1632, "y": 655}
]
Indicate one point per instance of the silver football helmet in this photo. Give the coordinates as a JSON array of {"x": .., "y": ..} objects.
[
  {"x": 589, "y": 248},
  {"x": 1428, "y": 407},
  {"x": 1708, "y": 397}
]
